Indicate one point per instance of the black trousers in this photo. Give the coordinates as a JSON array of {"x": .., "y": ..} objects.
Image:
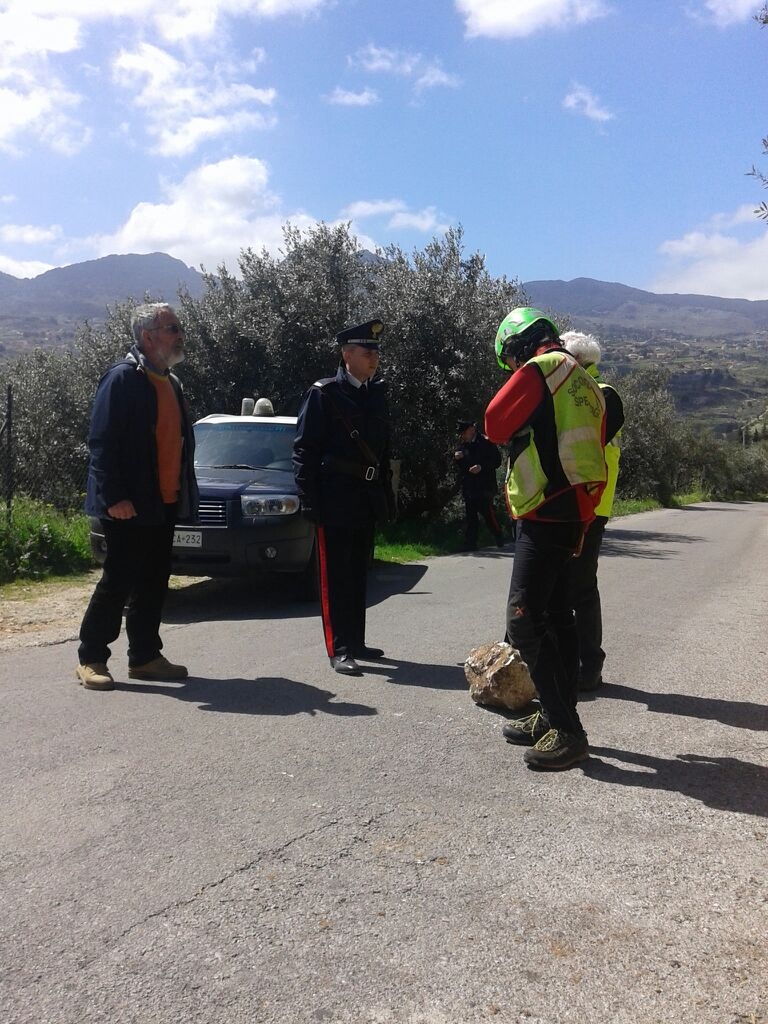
[
  {"x": 476, "y": 506},
  {"x": 540, "y": 619},
  {"x": 136, "y": 571},
  {"x": 344, "y": 553},
  {"x": 586, "y": 601}
]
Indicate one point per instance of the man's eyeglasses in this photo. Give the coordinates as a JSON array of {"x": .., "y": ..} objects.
[{"x": 171, "y": 328}]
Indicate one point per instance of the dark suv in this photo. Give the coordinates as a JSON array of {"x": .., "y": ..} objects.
[{"x": 250, "y": 519}]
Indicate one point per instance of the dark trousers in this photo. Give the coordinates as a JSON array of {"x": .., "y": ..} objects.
[
  {"x": 136, "y": 572},
  {"x": 540, "y": 619},
  {"x": 479, "y": 506},
  {"x": 344, "y": 553},
  {"x": 586, "y": 602}
]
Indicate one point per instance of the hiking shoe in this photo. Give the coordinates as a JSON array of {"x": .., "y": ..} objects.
[
  {"x": 95, "y": 676},
  {"x": 158, "y": 668},
  {"x": 526, "y": 731},
  {"x": 556, "y": 750}
]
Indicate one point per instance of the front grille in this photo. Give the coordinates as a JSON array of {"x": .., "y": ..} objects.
[{"x": 212, "y": 513}]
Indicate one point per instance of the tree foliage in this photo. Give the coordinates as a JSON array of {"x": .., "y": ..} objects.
[
  {"x": 271, "y": 332},
  {"x": 762, "y": 211}
]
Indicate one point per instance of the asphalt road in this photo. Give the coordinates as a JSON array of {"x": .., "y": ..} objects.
[{"x": 270, "y": 842}]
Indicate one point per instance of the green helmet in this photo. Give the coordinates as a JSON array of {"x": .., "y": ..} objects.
[{"x": 522, "y": 328}]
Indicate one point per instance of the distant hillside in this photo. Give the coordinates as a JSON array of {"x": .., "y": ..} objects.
[
  {"x": 85, "y": 289},
  {"x": 608, "y": 308},
  {"x": 45, "y": 310}
]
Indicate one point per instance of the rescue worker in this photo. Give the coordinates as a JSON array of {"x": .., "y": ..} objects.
[
  {"x": 343, "y": 474},
  {"x": 585, "y": 348},
  {"x": 477, "y": 461},
  {"x": 551, "y": 413}
]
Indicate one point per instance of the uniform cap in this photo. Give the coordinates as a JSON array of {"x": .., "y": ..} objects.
[
  {"x": 461, "y": 425},
  {"x": 367, "y": 334}
]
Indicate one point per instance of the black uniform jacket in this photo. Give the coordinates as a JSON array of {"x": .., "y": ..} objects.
[
  {"x": 339, "y": 484},
  {"x": 479, "y": 452}
]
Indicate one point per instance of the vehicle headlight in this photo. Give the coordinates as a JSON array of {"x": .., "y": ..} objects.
[{"x": 269, "y": 505}]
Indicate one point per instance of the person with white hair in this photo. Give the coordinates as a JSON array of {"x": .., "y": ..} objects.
[
  {"x": 141, "y": 481},
  {"x": 585, "y": 348}
]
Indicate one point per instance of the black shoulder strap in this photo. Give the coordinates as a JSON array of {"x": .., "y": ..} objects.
[{"x": 362, "y": 445}]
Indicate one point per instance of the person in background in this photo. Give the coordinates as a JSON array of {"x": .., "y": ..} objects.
[
  {"x": 477, "y": 460},
  {"x": 585, "y": 348},
  {"x": 141, "y": 480},
  {"x": 342, "y": 469},
  {"x": 551, "y": 413}
]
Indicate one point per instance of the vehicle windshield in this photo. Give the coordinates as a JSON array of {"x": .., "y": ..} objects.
[{"x": 244, "y": 445}]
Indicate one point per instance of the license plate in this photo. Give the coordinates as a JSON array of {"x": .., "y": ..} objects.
[{"x": 188, "y": 539}]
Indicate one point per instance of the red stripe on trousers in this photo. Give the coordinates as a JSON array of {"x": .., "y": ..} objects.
[{"x": 325, "y": 604}]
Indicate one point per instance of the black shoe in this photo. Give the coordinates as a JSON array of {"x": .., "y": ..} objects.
[
  {"x": 526, "y": 731},
  {"x": 345, "y": 665},
  {"x": 557, "y": 750},
  {"x": 500, "y": 542},
  {"x": 369, "y": 653}
]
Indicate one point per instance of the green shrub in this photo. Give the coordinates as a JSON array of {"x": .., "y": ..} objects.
[{"x": 39, "y": 541}]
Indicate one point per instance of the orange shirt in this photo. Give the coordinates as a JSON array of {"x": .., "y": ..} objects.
[{"x": 167, "y": 437}]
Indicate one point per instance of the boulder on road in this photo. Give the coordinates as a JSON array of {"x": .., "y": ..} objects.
[{"x": 498, "y": 677}]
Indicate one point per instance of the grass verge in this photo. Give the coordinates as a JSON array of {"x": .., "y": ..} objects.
[{"x": 39, "y": 542}]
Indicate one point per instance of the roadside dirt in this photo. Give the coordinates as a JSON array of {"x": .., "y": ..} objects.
[{"x": 42, "y": 613}]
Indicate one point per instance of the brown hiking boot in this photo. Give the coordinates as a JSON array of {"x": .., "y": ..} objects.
[
  {"x": 159, "y": 668},
  {"x": 95, "y": 676}
]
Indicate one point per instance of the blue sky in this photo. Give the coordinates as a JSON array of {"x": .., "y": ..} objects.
[{"x": 570, "y": 138}]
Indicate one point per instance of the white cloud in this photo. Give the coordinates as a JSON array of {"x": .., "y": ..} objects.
[
  {"x": 344, "y": 98},
  {"x": 426, "y": 221},
  {"x": 175, "y": 20},
  {"x": 427, "y": 74},
  {"x": 728, "y": 12},
  {"x": 23, "y": 33},
  {"x": 507, "y": 19},
  {"x": 377, "y": 208},
  {"x": 23, "y": 268},
  {"x": 188, "y": 102},
  {"x": 400, "y": 217},
  {"x": 379, "y": 59},
  {"x": 433, "y": 76},
  {"x": 709, "y": 262},
  {"x": 582, "y": 101},
  {"x": 37, "y": 106},
  {"x": 208, "y": 217},
  {"x": 35, "y": 36},
  {"x": 29, "y": 234}
]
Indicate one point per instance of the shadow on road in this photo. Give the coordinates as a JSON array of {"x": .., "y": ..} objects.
[
  {"x": 413, "y": 673},
  {"x": 724, "y": 783},
  {"x": 739, "y": 714},
  {"x": 234, "y": 600},
  {"x": 260, "y": 696},
  {"x": 644, "y": 543}
]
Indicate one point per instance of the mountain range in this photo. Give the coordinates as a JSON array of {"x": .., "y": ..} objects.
[
  {"x": 609, "y": 308},
  {"x": 45, "y": 310},
  {"x": 85, "y": 289}
]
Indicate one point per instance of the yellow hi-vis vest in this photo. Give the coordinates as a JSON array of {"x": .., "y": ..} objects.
[
  {"x": 579, "y": 411},
  {"x": 612, "y": 456}
]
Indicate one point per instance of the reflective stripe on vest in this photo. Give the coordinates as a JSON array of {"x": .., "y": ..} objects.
[{"x": 579, "y": 410}]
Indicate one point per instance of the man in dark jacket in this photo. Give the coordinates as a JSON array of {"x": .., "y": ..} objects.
[
  {"x": 141, "y": 480},
  {"x": 341, "y": 463},
  {"x": 477, "y": 460}
]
